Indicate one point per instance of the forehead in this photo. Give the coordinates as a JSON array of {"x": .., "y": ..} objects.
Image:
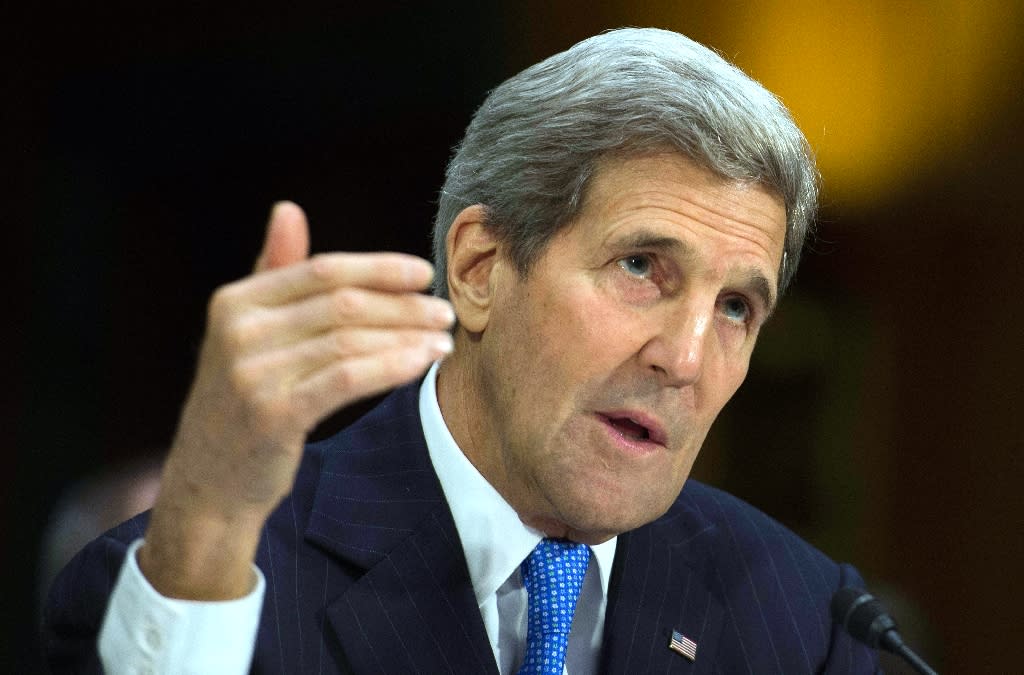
[{"x": 671, "y": 195}]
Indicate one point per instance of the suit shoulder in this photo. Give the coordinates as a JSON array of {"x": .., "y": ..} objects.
[
  {"x": 757, "y": 556},
  {"x": 78, "y": 597},
  {"x": 745, "y": 529},
  {"x": 775, "y": 587}
]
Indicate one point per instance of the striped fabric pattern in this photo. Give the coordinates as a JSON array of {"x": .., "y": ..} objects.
[{"x": 365, "y": 574}]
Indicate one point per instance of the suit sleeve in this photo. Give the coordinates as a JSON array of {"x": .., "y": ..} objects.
[
  {"x": 103, "y": 593},
  {"x": 76, "y": 604}
]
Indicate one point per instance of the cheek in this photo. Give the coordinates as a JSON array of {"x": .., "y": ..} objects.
[
  {"x": 589, "y": 331},
  {"x": 536, "y": 355},
  {"x": 735, "y": 374},
  {"x": 725, "y": 369}
]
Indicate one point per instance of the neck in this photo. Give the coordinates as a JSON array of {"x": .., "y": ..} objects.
[
  {"x": 464, "y": 407},
  {"x": 467, "y": 408}
]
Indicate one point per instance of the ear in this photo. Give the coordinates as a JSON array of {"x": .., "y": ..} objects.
[{"x": 472, "y": 257}]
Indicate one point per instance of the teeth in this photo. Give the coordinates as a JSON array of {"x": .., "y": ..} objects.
[
  {"x": 631, "y": 428},
  {"x": 641, "y": 431}
]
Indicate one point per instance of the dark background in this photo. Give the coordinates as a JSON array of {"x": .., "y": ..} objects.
[{"x": 881, "y": 419}]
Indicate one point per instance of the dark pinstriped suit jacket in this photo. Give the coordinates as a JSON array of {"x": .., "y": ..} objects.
[{"x": 365, "y": 574}]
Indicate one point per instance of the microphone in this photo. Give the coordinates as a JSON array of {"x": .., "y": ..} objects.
[{"x": 864, "y": 618}]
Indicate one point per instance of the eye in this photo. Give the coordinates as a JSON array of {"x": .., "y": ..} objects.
[
  {"x": 637, "y": 265},
  {"x": 736, "y": 309}
]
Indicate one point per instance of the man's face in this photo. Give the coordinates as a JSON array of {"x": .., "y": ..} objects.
[{"x": 600, "y": 372}]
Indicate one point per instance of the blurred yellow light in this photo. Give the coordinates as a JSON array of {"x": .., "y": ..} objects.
[{"x": 885, "y": 91}]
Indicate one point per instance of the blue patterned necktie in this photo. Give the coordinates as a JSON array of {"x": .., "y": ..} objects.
[{"x": 553, "y": 575}]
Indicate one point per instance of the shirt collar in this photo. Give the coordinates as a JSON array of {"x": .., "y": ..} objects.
[{"x": 493, "y": 538}]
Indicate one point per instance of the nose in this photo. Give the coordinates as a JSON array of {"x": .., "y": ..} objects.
[{"x": 676, "y": 350}]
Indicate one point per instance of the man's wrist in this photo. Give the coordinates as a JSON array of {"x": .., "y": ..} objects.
[
  {"x": 194, "y": 556},
  {"x": 144, "y": 630}
]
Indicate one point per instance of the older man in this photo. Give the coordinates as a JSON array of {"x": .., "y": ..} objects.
[{"x": 617, "y": 225}]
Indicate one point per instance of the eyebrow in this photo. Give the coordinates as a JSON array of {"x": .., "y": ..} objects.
[
  {"x": 763, "y": 289},
  {"x": 658, "y": 242},
  {"x": 644, "y": 239}
]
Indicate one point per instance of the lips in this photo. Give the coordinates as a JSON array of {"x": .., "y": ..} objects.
[{"x": 634, "y": 426}]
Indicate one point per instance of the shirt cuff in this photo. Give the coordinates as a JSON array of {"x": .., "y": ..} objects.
[{"x": 144, "y": 632}]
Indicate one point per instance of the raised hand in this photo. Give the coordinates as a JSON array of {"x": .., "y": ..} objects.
[{"x": 285, "y": 347}]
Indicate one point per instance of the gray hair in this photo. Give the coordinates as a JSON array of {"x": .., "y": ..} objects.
[{"x": 533, "y": 146}]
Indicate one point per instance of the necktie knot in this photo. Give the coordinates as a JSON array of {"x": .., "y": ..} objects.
[{"x": 553, "y": 575}]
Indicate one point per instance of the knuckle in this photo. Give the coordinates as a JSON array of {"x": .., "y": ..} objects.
[
  {"x": 320, "y": 267},
  {"x": 244, "y": 378},
  {"x": 220, "y": 304},
  {"x": 344, "y": 377},
  {"x": 341, "y": 344},
  {"x": 348, "y": 303},
  {"x": 238, "y": 334}
]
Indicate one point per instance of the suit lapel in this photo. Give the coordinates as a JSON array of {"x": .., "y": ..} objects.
[
  {"x": 379, "y": 508},
  {"x": 660, "y": 584}
]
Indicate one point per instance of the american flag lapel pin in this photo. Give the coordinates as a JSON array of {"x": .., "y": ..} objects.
[{"x": 681, "y": 644}]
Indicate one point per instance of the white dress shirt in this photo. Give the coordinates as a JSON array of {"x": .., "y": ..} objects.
[{"x": 144, "y": 632}]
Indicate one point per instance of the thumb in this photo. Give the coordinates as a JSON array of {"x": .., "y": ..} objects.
[{"x": 287, "y": 238}]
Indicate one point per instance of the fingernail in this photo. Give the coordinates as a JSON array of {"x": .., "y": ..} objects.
[
  {"x": 443, "y": 345},
  {"x": 430, "y": 269},
  {"x": 275, "y": 209},
  {"x": 418, "y": 271},
  {"x": 445, "y": 313}
]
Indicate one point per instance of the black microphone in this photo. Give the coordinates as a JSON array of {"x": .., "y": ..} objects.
[{"x": 866, "y": 620}]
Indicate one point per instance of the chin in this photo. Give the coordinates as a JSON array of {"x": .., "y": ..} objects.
[{"x": 593, "y": 516}]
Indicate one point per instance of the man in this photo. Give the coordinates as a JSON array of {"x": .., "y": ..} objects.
[{"x": 615, "y": 228}]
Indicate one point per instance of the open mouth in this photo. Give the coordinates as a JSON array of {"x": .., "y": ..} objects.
[
  {"x": 634, "y": 426},
  {"x": 629, "y": 428}
]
